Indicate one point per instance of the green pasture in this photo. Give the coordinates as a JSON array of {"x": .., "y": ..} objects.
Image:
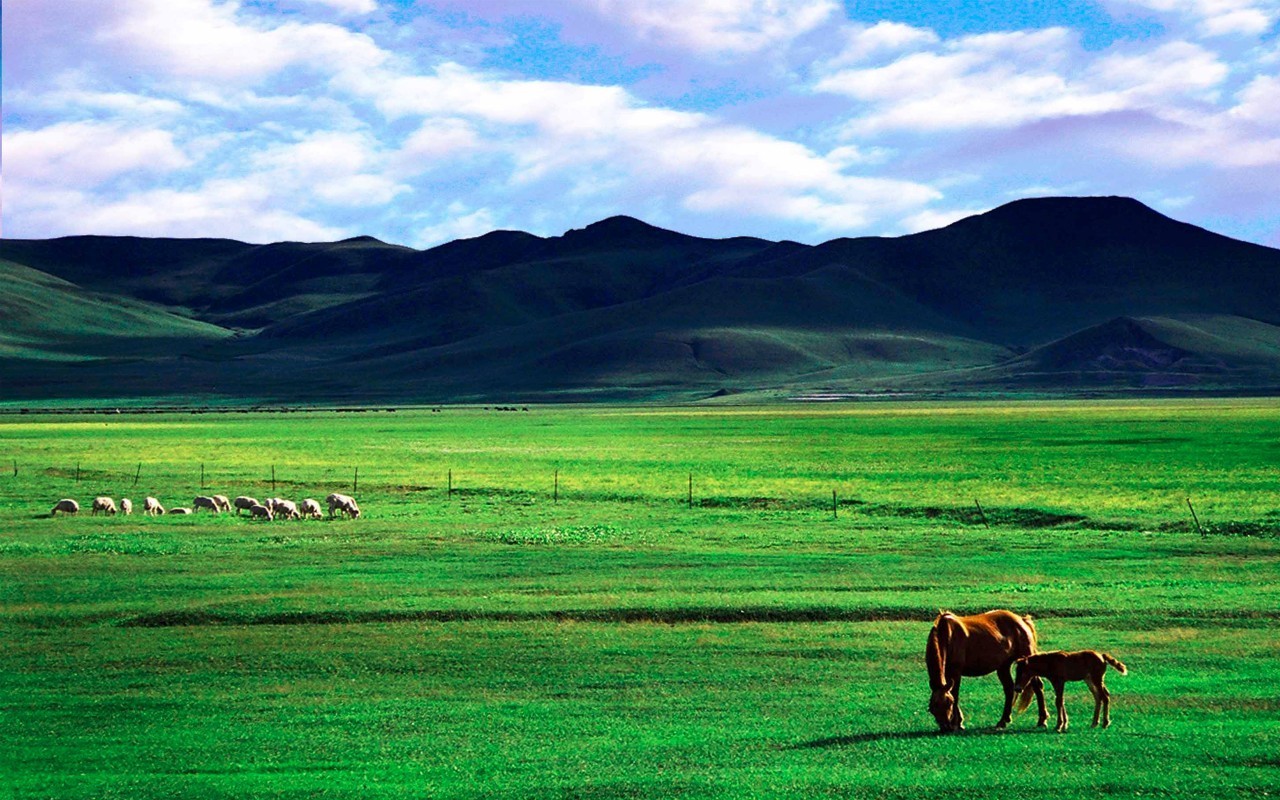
[{"x": 605, "y": 637}]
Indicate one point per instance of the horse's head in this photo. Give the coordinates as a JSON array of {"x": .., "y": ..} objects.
[
  {"x": 942, "y": 705},
  {"x": 1022, "y": 674}
]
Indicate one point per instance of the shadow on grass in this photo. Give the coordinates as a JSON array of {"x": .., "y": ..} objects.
[
  {"x": 861, "y": 738},
  {"x": 668, "y": 616},
  {"x": 830, "y": 742}
]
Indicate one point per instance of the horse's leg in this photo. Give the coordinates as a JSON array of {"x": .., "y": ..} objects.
[
  {"x": 958, "y": 716},
  {"x": 1059, "y": 692},
  {"x": 1037, "y": 685},
  {"x": 1106, "y": 704},
  {"x": 1006, "y": 680},
  {"x": 1096, "y": 689}
]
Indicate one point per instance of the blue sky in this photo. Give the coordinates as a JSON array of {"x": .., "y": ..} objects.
[{"x": 420, "y": 121}]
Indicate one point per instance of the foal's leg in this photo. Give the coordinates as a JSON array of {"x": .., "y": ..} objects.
[
  {"x": 1096, "y": 689},
  {"x": 1006, "y": 680},
  {"x": 1037, "y": 685},
  {"x": 1106, "y": 703},
  {"x": 1059, "y": 692}
]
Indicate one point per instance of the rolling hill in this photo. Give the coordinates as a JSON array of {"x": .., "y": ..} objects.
[{"x": 1043, "y": 296}]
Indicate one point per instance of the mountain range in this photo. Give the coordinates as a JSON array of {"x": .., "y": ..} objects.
[{"x": 1040, "y": 296}]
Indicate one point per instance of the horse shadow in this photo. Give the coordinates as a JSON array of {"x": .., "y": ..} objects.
[
  {"x": 831, "y": 742},
  {"x": 860, "y": 738}
]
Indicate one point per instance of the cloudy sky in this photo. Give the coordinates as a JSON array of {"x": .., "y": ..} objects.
[{"x": 420, "y": 121}]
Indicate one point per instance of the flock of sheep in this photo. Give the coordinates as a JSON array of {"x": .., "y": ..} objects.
[{"x": 273, "y": 508}]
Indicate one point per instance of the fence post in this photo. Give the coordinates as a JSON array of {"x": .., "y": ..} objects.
[
  {"x": 555, "y": 497},
  {"x": 355, "y": 482},
  {"x": 1195, "y": 517},
  {"x": 690, "y": 490},
  {"x": 982, "y": 513},
  {"x": 451, "y": 483},
  {"x": 273, "y": 478},
  {"x": 835, "y": 507},
  {"x": 137, "y": 474}
]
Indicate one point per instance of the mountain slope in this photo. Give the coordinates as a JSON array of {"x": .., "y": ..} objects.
[
  {"x": 1208, "y": 352},
  {"x": 48, "y": 318},
  {"x": 1044, "y": 295},
  {"x": 504, "y": 279},
  {"x": 1034, "y": 270},
  {"x": 216, "y": 280}
]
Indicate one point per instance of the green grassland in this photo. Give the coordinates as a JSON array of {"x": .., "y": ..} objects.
[
  {"x": 608, "y": 638},
  {"x": 47, "y": 318}
]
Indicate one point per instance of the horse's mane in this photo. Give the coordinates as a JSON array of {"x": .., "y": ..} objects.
[
  {"x": 1035, "y": 634},
  {"x": 938, "y": 644}
]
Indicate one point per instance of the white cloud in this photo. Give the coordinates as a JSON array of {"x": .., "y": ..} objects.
[
  {"x": 1211, "y": 141},
  {"x": 344, "y": 6},
  {"x": 931, "y": 219},
  {"x": 336, "y": 167},
  {"x": 1008, "y": 79},
  {"x": 1260, "y": 102},
  {"x": 437, "y": 141},
  {"x": 131, "y": 105},
  {"x": 594, "y": 136},
  {"x": 992, "y": 80},
  {"x": 865, "y": 42},
  {"x": 212, "y": 43},
  {"x": 233, "y": 209},
  {"x": 459, "y": 223},
  {"x": 850, "y": 155},
  {"x": 1212, "y": 18},
  {"x": 303, "y": 119},
  {"x": 85, "y": 154},
  {"x": 718, "y": 27},
  {"x": 1160, "y": 77}
]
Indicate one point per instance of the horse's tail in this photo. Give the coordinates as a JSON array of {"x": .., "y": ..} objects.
[
  {"x": 1035, "y": 634},
  {"x": 1033, "y": 646},
  {"x": 1115, "y": 663}
]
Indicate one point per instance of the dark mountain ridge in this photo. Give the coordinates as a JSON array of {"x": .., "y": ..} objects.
[{"x": 1049, "y": 294}]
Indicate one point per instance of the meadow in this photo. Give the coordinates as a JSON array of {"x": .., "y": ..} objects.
[{"x": 588, "y": 602}]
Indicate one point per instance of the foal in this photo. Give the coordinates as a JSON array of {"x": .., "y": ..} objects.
[{"x": 1058, "y": 667}]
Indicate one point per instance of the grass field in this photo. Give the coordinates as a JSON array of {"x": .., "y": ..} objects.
[{"x": 618, "y": 640}]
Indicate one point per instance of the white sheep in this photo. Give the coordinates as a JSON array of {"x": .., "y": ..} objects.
[
  {"x": 179, "y": 511},
  {"x": 259, "y": 510},
  {"x": 104, "y": 505},
  {"x": 126, "y": 506},
  {"x": 151, "y": 507},
  {"x": 243, "y": 503},
  {"x": 66, "y": 506},
  {"x": 344, "y": 504},
  {"x": 205, "y": 502},
  {"x": 285, "y": 508},
  {"x": 223, "y": 503},
  {"x": 310, "y": 508}
]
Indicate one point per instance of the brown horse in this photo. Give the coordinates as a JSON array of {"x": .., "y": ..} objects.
[
  {"x": 1059, "y": 667},
  {"x": 974, "y": 646}
]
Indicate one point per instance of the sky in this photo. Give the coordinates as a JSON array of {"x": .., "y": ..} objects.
[{"x": 423, "y": 121}]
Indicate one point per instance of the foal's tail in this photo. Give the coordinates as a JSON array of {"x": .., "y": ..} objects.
[
  {"x": 1024, "y": 699},
  {"x": 1115, "y": 663}
]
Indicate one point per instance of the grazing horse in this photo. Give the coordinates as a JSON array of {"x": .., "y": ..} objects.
[
  {"x": 974, "y": 646},
  {"x": 1059, "y": 667}
]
